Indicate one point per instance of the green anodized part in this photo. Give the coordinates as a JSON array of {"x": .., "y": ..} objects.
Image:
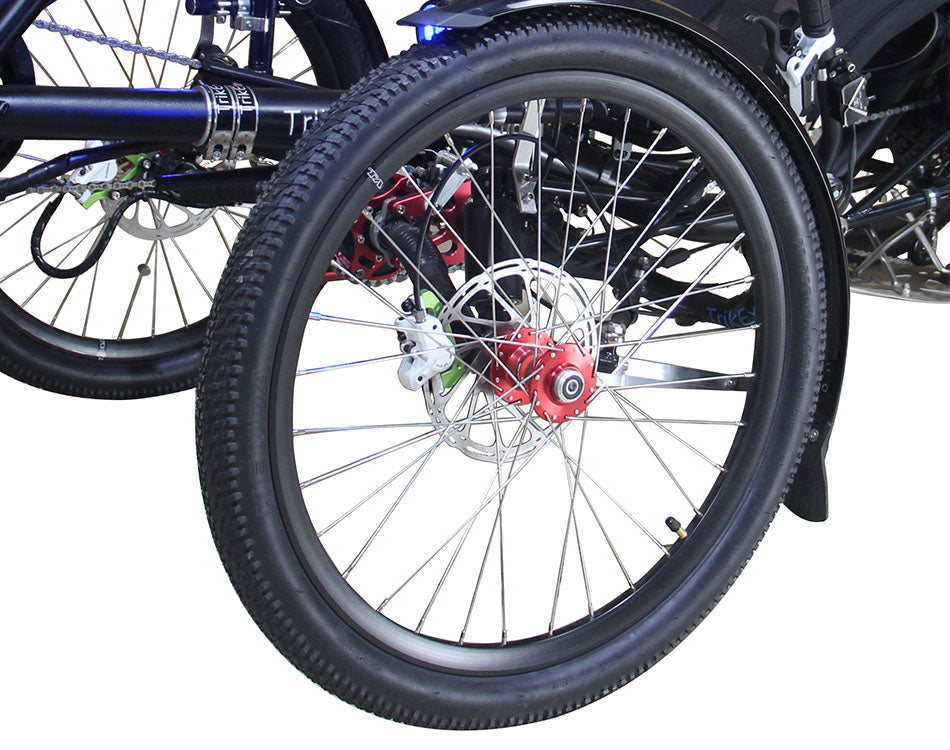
[
  {"x": 131, "y": 173},
  {"x": 434, "y": 306}
]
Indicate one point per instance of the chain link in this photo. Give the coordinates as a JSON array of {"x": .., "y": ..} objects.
[
  {"x": 76, "y": 188},
  {"x": 108, "y": 41},
  {"x": 891, "y": 112}
]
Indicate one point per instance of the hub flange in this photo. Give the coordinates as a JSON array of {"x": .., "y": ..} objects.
[{"x": 562, "y": 376}]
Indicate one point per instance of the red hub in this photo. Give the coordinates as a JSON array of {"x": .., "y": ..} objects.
[{"x": 563, "y": 379}]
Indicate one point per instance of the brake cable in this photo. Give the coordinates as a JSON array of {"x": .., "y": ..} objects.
[{"x": 98, "y": 248}]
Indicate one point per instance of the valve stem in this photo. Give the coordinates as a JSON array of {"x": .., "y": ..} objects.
[{"x": 673, "y": 525}]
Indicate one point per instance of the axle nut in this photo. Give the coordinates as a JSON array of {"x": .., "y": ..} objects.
[{"x": 569, "y": 386}]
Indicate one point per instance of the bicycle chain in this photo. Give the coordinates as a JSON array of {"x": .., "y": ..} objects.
[
  {"x": 108, "y": 41},
  {"x": 891, "y": 112},
  {"x": 77, "y": 188}
]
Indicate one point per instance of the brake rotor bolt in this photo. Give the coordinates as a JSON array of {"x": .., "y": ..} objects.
[
  {"x": 361, "y": 240},
  {"x": 401, "y": 210},
  {"x": 378, "y": 257}
]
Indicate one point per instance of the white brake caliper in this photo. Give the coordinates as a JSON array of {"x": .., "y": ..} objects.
[
  {"x": 104, "y": 171},
  {"x": 431, "y": 352}
]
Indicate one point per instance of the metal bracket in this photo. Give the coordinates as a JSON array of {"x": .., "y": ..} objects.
[
  {"x": 243, "y": 20},
  {"x": 522, "y": 166},
  {"x": 800, "y": 64},
  {"x": 461, "y": 175},
  {"x": 647, "y": 373}
]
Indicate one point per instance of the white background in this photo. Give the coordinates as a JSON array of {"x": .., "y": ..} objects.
[{"x": 120, "y": 628}]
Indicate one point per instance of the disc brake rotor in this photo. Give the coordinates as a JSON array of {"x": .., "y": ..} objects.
[
  {"x": 515, "y": 304},
  {"x": 157, "y": 221}
]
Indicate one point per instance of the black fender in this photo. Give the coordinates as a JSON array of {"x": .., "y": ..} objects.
[
  {"x": 808, "y": 496},
  {"x": 863, "y": 28}
]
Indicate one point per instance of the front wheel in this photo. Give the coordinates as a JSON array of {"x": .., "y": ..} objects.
[{"x": 510, "y": 370}]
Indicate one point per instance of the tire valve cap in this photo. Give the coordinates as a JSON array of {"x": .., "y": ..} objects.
[{"x": 673, "y": 525}]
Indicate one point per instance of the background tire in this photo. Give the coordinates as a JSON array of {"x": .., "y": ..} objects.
[{"x": 43, "y": 348}]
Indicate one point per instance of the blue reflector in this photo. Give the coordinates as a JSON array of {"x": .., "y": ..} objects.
[{"x": 428, "y": 33}]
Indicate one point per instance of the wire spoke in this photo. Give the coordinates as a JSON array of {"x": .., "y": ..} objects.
[
  {"x": 69, "y": 49},
  {"x": 143, "y": 270},
  {"x": 689, "y": 446},
  {"x": 572, "y": 488},
  {"x": 485, "y": 503},
  {"x": 497, "y": 525},
  {"x": 571, "y": 460},
  {"x": 95, "y": 18},
  {"x": 192, "y": 269},
  {"x": 656, "y": 454}
]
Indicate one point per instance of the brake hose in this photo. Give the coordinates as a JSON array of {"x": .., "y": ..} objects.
[
  {"x": 102, "y": 242},
  {"x": 553, "y": 154}
]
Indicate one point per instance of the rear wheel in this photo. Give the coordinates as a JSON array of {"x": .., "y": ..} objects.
[
  {"x": 608, "y": 391},
  {"x": 133, "y": 324}
]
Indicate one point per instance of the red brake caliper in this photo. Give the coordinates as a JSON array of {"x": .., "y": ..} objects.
[{"x": 562, "y": 376}]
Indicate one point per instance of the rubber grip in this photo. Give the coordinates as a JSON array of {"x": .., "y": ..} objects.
[{"x": 816, "y": 17}]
